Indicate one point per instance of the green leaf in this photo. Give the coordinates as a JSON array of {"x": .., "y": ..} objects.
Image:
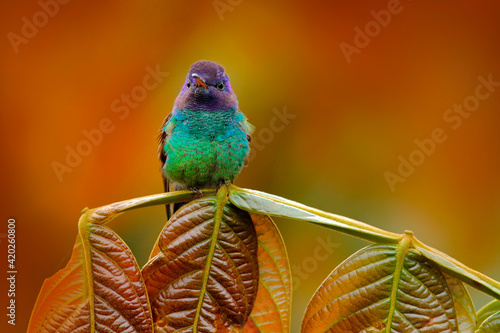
[
  {"x": 488, "y": 318},
  {"x": 490, "y": 325},
  {"x": 384, "y": 288},
  {"x": 464, "y": 307},
  {"x": 204, "y": 274},
  {"x": 267, "y": 204},
  {"x": 488, "y": 310},
  {"x": 271, "y": 312}
]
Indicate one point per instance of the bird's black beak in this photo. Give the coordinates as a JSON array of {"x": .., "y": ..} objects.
[{"x": 199, "y": 81}]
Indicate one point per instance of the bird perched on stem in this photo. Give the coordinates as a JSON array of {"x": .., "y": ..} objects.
[{"x": 204, "y": 141}]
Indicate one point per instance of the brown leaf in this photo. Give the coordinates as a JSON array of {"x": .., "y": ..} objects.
[
  {"x": 204, "y": 277},
  {"x": 271, "y": 312},
  {"x": 383, "y": 288},
  {"x": 100, "y": 289}
]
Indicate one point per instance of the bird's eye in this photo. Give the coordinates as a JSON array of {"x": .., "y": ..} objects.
[
  {"x": 220, "y": 86},
  {"x": 188, "y": 84}
]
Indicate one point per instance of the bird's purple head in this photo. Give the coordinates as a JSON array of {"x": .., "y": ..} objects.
[{"x": 206, "y": 88}]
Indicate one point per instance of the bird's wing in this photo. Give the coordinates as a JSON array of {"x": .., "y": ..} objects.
[
  {"x": 245, "y": 125},
  {"x": 165, "y": 132},
  {"x": 248, "y": 128}
]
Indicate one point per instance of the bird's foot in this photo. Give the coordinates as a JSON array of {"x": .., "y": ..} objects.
[
  {"x": 219, "y": 184},
  {"x": 195, "y": 190}
]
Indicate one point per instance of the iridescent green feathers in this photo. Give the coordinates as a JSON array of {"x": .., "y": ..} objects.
[{"x": 203, "y": 148}]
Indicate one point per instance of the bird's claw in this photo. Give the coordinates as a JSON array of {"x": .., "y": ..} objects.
[
  {"x": 219, "y": 184},
  {"x": 195, "y": 190}
]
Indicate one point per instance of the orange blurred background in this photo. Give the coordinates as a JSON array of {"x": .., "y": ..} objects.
[{"x": 348, "y": 123}]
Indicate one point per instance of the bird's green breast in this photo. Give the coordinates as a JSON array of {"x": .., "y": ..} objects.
[{"x": 204, "y": 147}]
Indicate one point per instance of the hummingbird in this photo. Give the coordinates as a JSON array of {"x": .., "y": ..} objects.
[{"x": 204, "y": 141}]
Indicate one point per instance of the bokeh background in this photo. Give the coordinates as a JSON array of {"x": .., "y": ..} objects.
[{"x": 351, "y": 121}]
